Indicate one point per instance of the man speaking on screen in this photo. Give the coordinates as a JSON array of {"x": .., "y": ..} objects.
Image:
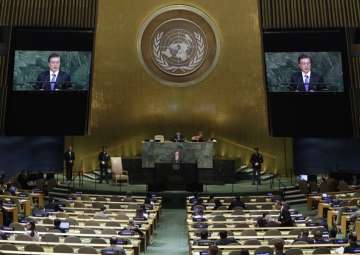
[
  {"x": 53, "y": 79},
  {"x": 306, "y": 80}
]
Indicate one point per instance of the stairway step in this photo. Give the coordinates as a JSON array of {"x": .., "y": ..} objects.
[
  {"x": 90, "y": 176},
  {"x": 265, "y": 177},
  {"x": 248, "y": 171},
  {"x": 295, "y": 191},
  {"x": 287, "y": 188},
  {"x": 60, "y": 189},
  {"x": 294, "y": 196},
  {"x": 296, "y": 201},
  {"x": 58, "y": 194}
]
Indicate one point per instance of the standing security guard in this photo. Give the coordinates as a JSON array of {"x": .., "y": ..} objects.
[
  {"x": 69, "y": 158},
  {"x": 256, "y": 161},
  {"x": 104, "y": 161}
]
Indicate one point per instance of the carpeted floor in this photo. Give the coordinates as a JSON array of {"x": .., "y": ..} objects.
[{"x": 171, "y": 235}]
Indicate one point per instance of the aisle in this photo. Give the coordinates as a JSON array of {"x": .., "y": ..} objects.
[{"x": 171, "y": 235}]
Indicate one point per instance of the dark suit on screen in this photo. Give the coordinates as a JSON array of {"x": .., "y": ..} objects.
[
  {"x": 63, "y": 81},
  {"x": 316, "y": 82}
]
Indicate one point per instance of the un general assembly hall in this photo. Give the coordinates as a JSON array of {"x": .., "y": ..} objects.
[{"x": 182, "y": 127}]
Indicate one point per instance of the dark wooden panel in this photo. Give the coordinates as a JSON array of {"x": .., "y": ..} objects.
[
  {"x": 46, "y": 13},
  {"x": 310, "y": 13}
]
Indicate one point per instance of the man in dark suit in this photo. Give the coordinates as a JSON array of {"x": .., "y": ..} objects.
[
  {"x": 104, "y": 161},
  {"x": 236, "y": 204},
  {"x": 256, "y": 160},
  {"x": 178, "y": 137},
  {"x": 53, "y": 79},
  {"x": 304, "y": 237},
  {"x": 285, "y": 215},
  {"x": 69, "y": 157},
  {"x": 305, "y": 80}
]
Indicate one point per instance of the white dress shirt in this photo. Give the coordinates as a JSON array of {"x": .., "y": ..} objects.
[
  {"x": 51, "y": 75},
  {"x": 304, "y": 74}
]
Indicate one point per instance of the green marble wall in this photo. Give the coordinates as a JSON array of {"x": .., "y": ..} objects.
[
  {"x": 281, "y": 65},
  {"x": 28, "y": 65},
  {"x": 190, "y": 152}
]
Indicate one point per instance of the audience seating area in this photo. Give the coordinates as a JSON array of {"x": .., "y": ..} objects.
[
  {"x": 241, "y": 227},
  {"x": 93, "y": 221},
  {"x": 235, "y": 225}
]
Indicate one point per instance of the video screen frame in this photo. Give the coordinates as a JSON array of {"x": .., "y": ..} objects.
[
  {"x": 27, "y": 112},
  {"x": 274, "y": 41},
  {"x": 308, "y": 114}
]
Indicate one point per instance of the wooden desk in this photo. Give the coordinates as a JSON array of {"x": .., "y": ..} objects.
[
  {"x": 23, "y": 203},
  {"x": 344, "y": 220},
  {"x": 321, "y": 207},
  {"x": 37, "y": 198},
  {"x": 48, "y": 253},
  {"x": 253, "y": 247},
  {"x": 74, "y": 245},
  {"x": 25, "y": 206},
  {"x": 330, "y": 217},
  {"x": 14, "y": 211}
]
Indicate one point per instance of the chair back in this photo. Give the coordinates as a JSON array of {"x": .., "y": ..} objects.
[
  {"x": 322, "y": 250},
  {"x": 97, "y": 240},
  {"x": 23, "y": 237},
  {"x": 72, "y": 239},
  {"x": 252, "y": 242},
  {"x": 87, "y": 250},
  {"x": 8, "y": 247},
  {"x": 50, "y": 238},
  {"x": 249, "y": 232},
  {"x": 116, "y": 166},
  {"x": 34, "y": 247},
  {"x": 62, "y": 248},
  {"x": 293, "y": 251},
  {"x": 264, "y": 249},
  {"x": 159, "y": 138}
]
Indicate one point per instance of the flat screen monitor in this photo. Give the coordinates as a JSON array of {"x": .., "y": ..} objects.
[
  {"x": 307, "y": 83},
  {"x": 306, "y": 72},
  {"x": 110, "y": 252},
  {"x": 303, "y": 177},
  {"x": 65, "y": 225}
]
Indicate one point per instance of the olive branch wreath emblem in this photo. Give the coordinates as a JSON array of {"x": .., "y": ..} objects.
[{"x": 194, "y": 63}]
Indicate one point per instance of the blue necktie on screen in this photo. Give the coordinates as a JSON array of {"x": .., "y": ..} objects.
[
  {"x": 53, "y": 82},
  {"x": 306, "y": 83}
]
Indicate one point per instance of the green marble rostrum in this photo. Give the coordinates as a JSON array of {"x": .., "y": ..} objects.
[{"x": 200, "y": 153}]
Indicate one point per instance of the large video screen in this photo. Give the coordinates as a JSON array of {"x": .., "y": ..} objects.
[
  {"x": 307, "y": 80},
  {"x": 51, "y": 70},
  {"x": 304, "y": 72},
  {"x": 49, "y": 82}
]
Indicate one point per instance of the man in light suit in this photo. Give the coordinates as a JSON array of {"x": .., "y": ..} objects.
[
  {"x": 69, "y": 158},
  {"x": 305, "y": 80},
  {"x": 53, "y": 79}
]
